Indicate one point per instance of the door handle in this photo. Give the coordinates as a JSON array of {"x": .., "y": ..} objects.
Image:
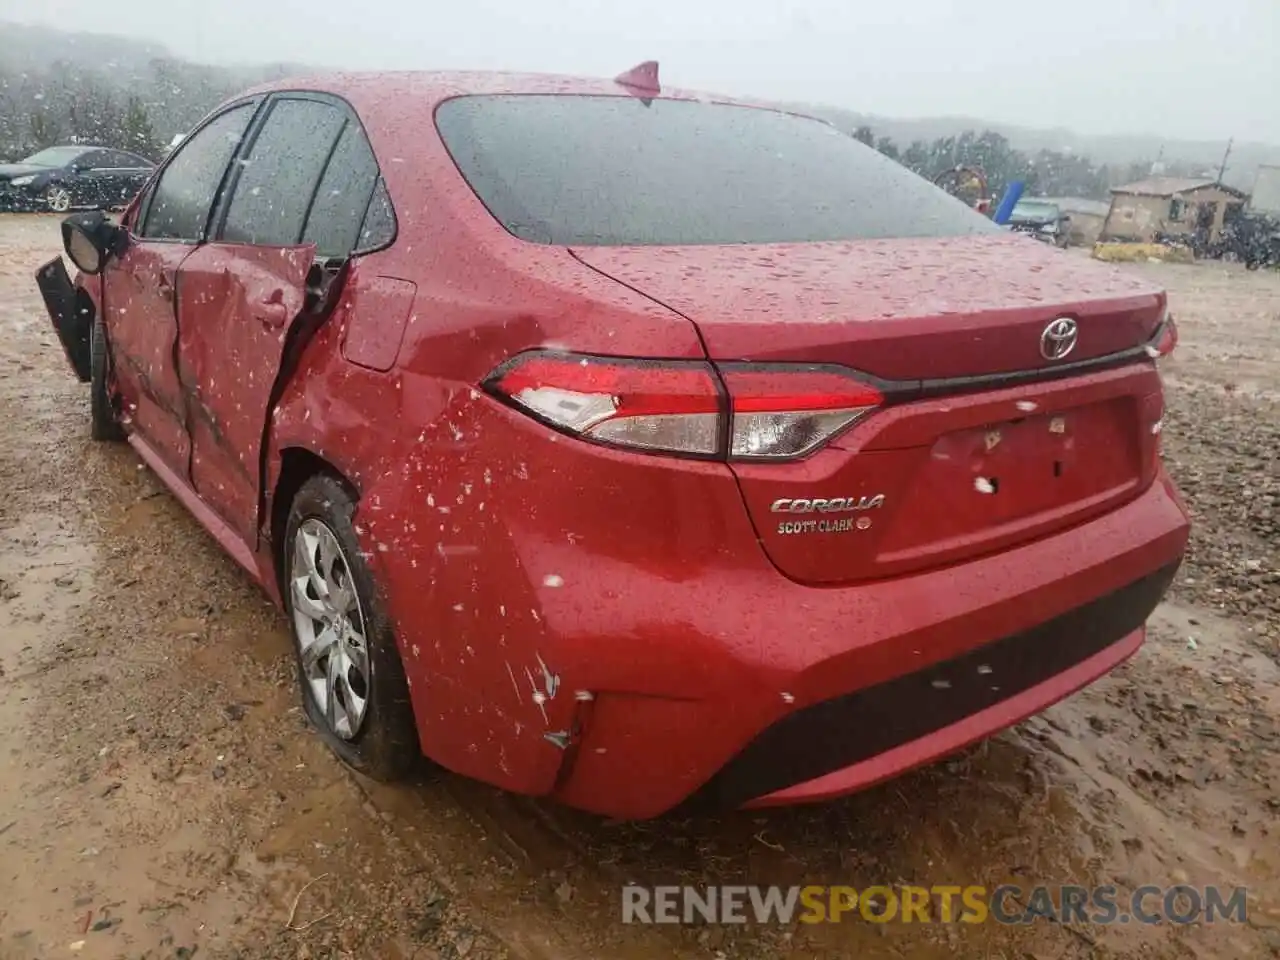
[{"x": 272, "y": 315}]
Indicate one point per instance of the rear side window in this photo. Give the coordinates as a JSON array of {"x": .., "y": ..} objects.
[
  {"x": 179, "y": 205},
  {"x": 120, "y": 160},
  {"x": 598, "y": 170},
  {"x": 343, "y": 196},
  {"x": 280, "y": 174},
  {"x": 97, "y": 160},
  {"x": 379, "y": 227}
]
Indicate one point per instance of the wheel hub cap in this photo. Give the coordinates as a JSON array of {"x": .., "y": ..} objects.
[{"x": 330, "y": 628}]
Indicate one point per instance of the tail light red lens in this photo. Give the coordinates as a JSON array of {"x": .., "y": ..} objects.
[
  {"x": 686, "y": 407},
  {"x": 673, "y": 407}
]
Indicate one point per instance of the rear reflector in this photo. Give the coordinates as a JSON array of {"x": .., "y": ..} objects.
[
  {"x": 686, "y": 407},
  {"x": 1165, "y": 339}
]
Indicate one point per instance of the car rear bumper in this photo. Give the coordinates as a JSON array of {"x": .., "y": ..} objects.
[
  {"x": 559, "y": 639},
  {"x": 954, "y": 736},
  {"x": 854, "y": 740},
  {"x": 1037, "y": 234},
  {"x": 821, "y": 692}
]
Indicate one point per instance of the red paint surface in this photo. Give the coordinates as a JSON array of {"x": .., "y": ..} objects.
[
  {"x": 643, "y": 77},
  {"x": 653, "y": 586},
  {"x": 379, "y": 308}
]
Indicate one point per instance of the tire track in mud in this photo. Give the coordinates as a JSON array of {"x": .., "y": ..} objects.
[{"x": 160, "y": 778}]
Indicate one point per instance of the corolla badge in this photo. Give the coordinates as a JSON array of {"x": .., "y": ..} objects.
[
  {"x": 1059, "y": 338},
  {"x": 824, "y": 505}
]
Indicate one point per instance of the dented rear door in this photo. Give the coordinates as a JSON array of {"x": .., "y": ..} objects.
[
  {"x": 243, "y": 293},
  {"x": 236, "y": 303}
]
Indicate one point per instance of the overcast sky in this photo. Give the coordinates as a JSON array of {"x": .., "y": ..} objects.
[{"x": 1204, "y": 69}]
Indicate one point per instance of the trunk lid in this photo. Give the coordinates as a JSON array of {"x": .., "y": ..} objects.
[
  {"x": 958, "y": 467},
  {"x": 898, "y": 309}
]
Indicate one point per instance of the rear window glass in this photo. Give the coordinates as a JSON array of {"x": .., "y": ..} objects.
[{"x": 591, "y": 170}]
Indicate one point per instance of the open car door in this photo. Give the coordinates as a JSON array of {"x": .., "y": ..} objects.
[{"x": 71, "y": 323}]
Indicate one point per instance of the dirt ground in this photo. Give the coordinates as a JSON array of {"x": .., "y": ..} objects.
[{"x": 161, "y": 797}]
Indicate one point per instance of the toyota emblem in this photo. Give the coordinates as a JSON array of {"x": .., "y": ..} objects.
[{"x": 1059, "y": 338}]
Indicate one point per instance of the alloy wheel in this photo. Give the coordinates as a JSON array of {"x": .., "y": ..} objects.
[
  {"x": 59, "y": 199},
  {"x": 329, "y": 628}
]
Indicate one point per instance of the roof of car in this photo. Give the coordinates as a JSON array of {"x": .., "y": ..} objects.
[
  {"x": 441, "y": 85},
  {"x": 86, "y": 147}
]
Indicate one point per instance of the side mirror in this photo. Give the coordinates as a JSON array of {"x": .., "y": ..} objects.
[
  {"x": 90, "y": 239},
  {"x": 1065, "y": 218}
]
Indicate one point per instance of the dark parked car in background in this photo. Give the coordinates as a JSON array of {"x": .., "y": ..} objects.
[
  {"x": 1041, "y": 219},
  {"x": 63, "y": 178}
]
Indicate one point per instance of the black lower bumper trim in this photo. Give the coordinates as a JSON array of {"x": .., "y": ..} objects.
[{"x": 840, "y": 732}]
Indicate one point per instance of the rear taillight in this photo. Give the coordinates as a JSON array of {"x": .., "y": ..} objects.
[
  {"x": 672, "y": 407},
  {"x": 781, "y": 412},
  {"x": 686, "y": 407}
]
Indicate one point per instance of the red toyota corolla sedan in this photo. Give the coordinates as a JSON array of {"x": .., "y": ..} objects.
[{"x": 630, "y": 446}]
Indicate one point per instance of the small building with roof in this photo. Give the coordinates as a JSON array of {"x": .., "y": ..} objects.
[{"x": 1171, "y": 206}]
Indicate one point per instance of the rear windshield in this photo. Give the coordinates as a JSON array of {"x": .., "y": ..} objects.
[
  {"x": 599, "y": 170},
  {"x": 1034, "y": 211},
  {"x": 54, "y": 156}
]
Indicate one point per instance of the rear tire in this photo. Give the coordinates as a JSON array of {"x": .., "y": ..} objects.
[
  {"x": 103, "y": 423},
  {"x": 360, "y": 706}
]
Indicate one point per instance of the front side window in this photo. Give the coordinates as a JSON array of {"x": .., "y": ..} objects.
[
  {"x": 601, "y": 170},
  {"x": 282, "y": 172},
  {"x": 179, "y": 205}
]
